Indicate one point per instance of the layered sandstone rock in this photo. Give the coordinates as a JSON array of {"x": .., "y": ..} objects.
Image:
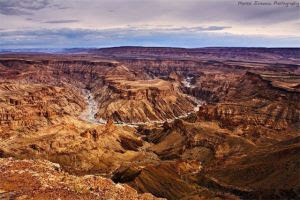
[
  {"x": 27, "y": 107},
  {"x": 270, "y": 172},
  {"x": 78, "y": 147},
  {"x": 127, "y": 98},
  {"x": 270, "y": 55},
  {"x": 258, "y": 108}
]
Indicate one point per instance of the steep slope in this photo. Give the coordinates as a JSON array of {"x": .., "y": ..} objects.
[
  {"x": 185, "y": 149},
  {"x": 26, "y": 107},
  {"x": 256, "y": 109},
  {"x": 77, "y": 146},
  {"x": 270, "y": 172},
  {"x": 28, "y": 179},
  {"x": 127, "y": 98}
]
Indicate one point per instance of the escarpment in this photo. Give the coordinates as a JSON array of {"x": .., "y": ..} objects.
[{"x": 56, "y": 72}]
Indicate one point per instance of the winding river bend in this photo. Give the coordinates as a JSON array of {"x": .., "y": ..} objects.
[{"x": 92, "y": 107}]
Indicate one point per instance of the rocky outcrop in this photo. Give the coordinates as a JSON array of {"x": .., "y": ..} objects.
[{"x": 39, "y": 179}]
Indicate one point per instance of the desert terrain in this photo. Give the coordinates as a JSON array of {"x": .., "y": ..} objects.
[{"x": 149, "y": 123}]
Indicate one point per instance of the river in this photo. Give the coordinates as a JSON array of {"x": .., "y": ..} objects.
[
  {"x": 92, "y": 107},
  {"x": 91, "y": 110}
]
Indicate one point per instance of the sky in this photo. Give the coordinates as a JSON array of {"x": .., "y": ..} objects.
[{"x": 174, "y": 23}]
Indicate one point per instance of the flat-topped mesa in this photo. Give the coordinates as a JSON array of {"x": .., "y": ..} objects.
[
  {"x": 142, "y": 101},
  {"x": 132, "y": 97}
]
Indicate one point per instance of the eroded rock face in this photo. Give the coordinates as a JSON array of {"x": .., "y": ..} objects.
[
  {"x": 79, "y": 148},
  {"x": 26, "y": 107},
  {"x": 256, "y": 107},
  {"x": 268, "y": 55},
  {"x": 247, "y": 127},
  {"x": 39, "y": 179},
  {"x": 142, "y": 101},
  {"x": 162, "y": 179},
  {"x": 125, "y": 94},
  {"x": 255, "y": 176},
  {"x": 127, "y": 98}
]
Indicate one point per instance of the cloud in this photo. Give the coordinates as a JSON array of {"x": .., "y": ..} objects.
[
  {"x": 62, "y": 38},
  {"x": 131, "y": 21},
  {"x": 21, "y": 7},
  {"x": 216, "y": 10},
  {"x": 209, "y": 28},
  {"x": 169, "y": 28},
  {"x": 62, "y": 21},
  {"x": 109, "y": 32}
]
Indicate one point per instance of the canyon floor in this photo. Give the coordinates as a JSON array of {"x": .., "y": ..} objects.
[{"x": 150, "y": 123}]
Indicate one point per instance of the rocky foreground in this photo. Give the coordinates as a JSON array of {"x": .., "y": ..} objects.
[
  {"x": 37, "y": 179},
  {"x": 177, "y": 123}
]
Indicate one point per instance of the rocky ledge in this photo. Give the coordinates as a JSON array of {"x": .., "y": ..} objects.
[{"x": 39, "y": 179}]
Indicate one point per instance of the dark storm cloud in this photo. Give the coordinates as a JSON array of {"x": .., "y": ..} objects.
[
  {"x": 21, "y": 7},
  {"x": 62, "y": 21}
]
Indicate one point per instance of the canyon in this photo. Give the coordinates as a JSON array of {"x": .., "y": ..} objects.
[{"x": 149, "y": 123}]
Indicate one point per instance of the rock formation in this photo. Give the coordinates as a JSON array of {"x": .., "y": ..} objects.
[
  {"x": 209, "y": 123},
  {"x": 39, "y": 179}
]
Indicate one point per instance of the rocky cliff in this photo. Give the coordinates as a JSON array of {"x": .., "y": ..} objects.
[
  {"x": 239, "y": 142},
  {"x": 257, "y": 108},
  {"x": 127, "y": 98}
]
